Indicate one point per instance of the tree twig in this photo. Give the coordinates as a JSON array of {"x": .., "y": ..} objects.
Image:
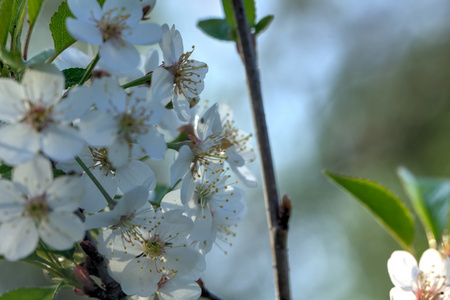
[
  {"x": 206, "y": 293},
  {"x": 277, "y": 216}
]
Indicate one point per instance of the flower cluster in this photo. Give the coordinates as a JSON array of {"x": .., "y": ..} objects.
[
  {"x": 430, "y": 280},
  {"x": 78, "y": 155}
]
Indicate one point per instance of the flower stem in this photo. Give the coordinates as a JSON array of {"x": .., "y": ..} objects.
[
  {"x": 102, "y": 190},
  {"x": 277, "y": 216},
  {"x": 89, "y": 69},
  {"x": 138, "y": 81}
]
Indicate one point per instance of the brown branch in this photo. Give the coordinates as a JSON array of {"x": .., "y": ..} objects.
[
  {"x": 277, "y": 216},
  {"x": 205, "y": 292},
  {"x": 96, "y": 265}
]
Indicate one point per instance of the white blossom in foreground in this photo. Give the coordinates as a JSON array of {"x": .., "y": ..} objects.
[
  {"x": 161, "y": 249},
  {"x": 37, "y": 118},
  {"x": 125, "y": 119},
  {"x": 129, "y": 175},
  {"x": 35, "y": 206},
  {"x": 115, "y": 28},
  {"x": 185, "y": 74},
  {"x": 430, "y": 280},
  {"x": 177, "y": 288},
  {"x": 216, "y": 141}
]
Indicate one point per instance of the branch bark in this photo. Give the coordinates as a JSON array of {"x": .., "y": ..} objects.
[{"x": 277, "y": 216}]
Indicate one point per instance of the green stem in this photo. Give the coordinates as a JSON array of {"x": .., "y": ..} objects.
[
  {"x": 138, "y": 81},
  {"x": 89, "y": 69},
  {"x": 102, "y": 190}
]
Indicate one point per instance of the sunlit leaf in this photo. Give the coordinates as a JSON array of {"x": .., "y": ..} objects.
[
  {"x": 73, "y": 76},
  {"x": 430, "y": 199},
  {"x": 34, "y": 7},
  {"x": 6, "y": 7},
  {"x": 61, "y": 37},
  {"x": 13, "y": 61},
  {"x": 263, "y": 24},
  {"x": 40, "y": 58},
  {"x": 42, "y": 293},
  {"x": 217, "y": 28},
  {"x": 250, "y": 12},
  {"x": 384, "y": 205}
]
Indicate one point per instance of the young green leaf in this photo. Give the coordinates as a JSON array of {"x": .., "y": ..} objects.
[
  {"x": 6, "y": 7},
  {"x": 263, "y": 24},
  {"x": 73, "y": 76},
  {"x": 385, "y": 206},
  {"x": 217, "y": 28},
  {"x": 228, "y": 11},
  {"x": 250, "y": 12},
  {"x": 13, "y": 61},
  {"x": 34, "y": 7},
  {"x": 40, "y": 58},
  {"x": 61, "y": 37},
  {"x": 42, "y": 293},
  {"x": 430, "y": 199}
]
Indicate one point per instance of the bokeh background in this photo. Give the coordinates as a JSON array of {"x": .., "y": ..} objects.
[{"x": 355, "y": 87}]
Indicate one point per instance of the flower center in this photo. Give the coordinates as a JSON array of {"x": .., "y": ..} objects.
[
  {"x": 153, "y": 248},
  {"x": 186, "y": 77},
  {"x": 100, "y": 157},
  {"x": 430, "y": 286},
  {"x": 37, "y": 207},
  {"x": 112, "y": 24},
  {"x": 38, "y": 116}
]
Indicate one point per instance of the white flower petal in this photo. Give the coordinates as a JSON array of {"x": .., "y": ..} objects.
[
  {"x": 135, "y": 173},
  {"x": 93, "y": 200},
  {"x": 75, "y": 105},
  {"x": 131, "y": 8},
  {"x": 98, "y": 128},
  {"x": 12, "y": 98},
  {"x": 85, "y": 10},
  {"x": 433, "y": 262},
  {"x": 175, "y": 289},
  {"x": 162, "y": 86},
  {"x": 108, "y": 95},
  {"x": 151, "y": 61},
  {"x": 18, "y": 143},
  {"x": 19, "y": 238},
  {"x": 119, "y": 56},
  {"x": 61, "y": 142},
  {"x": 397, "y": 293},
  {"x": 403, "y": 269},
  {"x": 61, "y": 230},
  {"x": 181, "y": 165},
  {"x": 65, "y": 193},
  {"x": 35, "y": 175},
  {"x": 153, "y": 143},
  {"x": 44, "y": 85},
  {"x": 181, "y": 106},
  {"x": 83, "y": 31},
  {"x": 119, "y": 153},
  {"x": 11, "y": 201}
]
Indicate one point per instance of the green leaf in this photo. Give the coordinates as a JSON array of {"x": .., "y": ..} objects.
[
  {"x": 217, "y": 28},
  {"x": 40, "y": 58},
  {"x": 250, "y": 12},
  {"x": 58, "y": 172},
  {"x": 73, "y": 76},
  {"x": 385, "y": 206},
  {"x": 34, "y": 7},
  {"x": 430, "y": 199},
  {"x": 6, "y": 7},
  {"x": 5, "y": 168},
  {"x": 61, "y": 37},
  {"x": 42, "y": 293},
  {"x": 263, "y": 24},
  {"x": 13, "y": 61},
  {"x": 228, "y": 11}
]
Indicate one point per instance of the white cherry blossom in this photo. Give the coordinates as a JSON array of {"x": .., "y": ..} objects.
[
  {"x": 37, "y": 118},
  {"x": 34, "y": 206},
  {"x": 428, "y": 280},
  {"x": 115, "y": 28}
]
